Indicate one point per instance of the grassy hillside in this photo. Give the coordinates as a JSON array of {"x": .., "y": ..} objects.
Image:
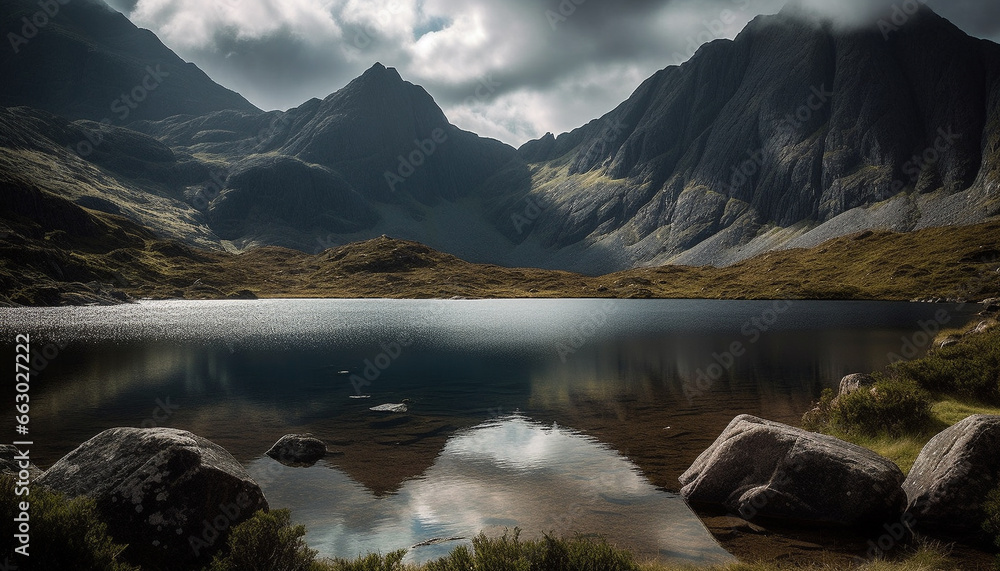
[{"x": 54, "y": 252}]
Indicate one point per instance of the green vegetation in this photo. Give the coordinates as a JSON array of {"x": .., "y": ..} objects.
[
  {"x": 65, "y": 534},
  {"x": 265, "y": 542},
  {"x": 56, "y": 258},
  {"x": 893, "y": 407},
  {"x": 968, "y": 370},
  {"x": 261, "y": 536},
  {"x": 914, "y": 400}
]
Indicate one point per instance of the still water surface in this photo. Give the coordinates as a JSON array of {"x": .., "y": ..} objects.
[{"x": 566, "y": 416}]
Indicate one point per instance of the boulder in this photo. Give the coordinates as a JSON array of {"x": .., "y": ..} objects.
[
  {"x": 760, "y": 468},
  {"x": 952, "y": 476},
  {"x": 298, "y": 450},
  {"x": 393, "y": 407},
  {"x": 170, "y": 495},
  {"x": 9, "y": 466},
  {"x": 855, "y": 381}
]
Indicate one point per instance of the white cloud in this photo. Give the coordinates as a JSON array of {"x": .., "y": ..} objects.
[
  {"x": 279, "y": 53},
  {"x": 187, "y": 24}
]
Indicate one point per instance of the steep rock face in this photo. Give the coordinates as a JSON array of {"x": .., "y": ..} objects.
[
  {"x": 87, "y": 56},
  {"x": 794, "y": 123},
  {"x": 387, "y": 136}
]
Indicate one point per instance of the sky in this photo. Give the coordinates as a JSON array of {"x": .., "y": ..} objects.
[{"x": 507, "y": 69}]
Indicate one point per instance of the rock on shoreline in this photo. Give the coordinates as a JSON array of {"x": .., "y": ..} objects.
[
  {"x": 760, "y": 468},
  {"x": 169, "y": 494},
  {"x": 952, "y": 477}
]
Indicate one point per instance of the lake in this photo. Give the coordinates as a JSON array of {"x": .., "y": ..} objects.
[{"x": 565, "y": 416}]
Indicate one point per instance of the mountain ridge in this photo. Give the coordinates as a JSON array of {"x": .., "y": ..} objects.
[
  {"x": 99, "y": 66},
  {"x": 747, "y": 147}
]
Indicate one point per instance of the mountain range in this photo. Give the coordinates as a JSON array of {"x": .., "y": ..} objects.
[{"x": 795, "y": 132}]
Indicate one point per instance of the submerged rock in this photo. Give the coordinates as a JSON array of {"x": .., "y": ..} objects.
[
  {"x": 170, "y": 495},
  {"x": 298, "y": 450},
  {"x": 392, "y": 407},
  {"x": 953, "y": 475},
  {"x": 760, "y": 468}
]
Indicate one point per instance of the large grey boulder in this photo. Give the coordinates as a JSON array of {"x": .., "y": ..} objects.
[
  {"x": 952, "y": 476},
  {"x": 760, "y": 468},
  {"x": 854, "y": 382},
  {"x": 298, "y": 450},
  {"x": 170, "y": 495}
]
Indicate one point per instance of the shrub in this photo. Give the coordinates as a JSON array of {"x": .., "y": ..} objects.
[
  {"x": 969, "y": 369},
  {"x": 890, "y": 407},
  {"x": 265, "y": 542},
  {"x": 370, "y": 562},
  {"x": 819, "y": 418},
  {"x": 510, "y": 553},
  {"x": 65, "y": 534},
  {"x": 991, "y": 520}
]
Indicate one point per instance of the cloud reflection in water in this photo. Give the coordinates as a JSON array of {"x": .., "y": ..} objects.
[{"x": 509, "y": 472}]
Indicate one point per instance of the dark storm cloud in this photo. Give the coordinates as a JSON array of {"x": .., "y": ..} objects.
[{"x": 510, "y": 69}]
